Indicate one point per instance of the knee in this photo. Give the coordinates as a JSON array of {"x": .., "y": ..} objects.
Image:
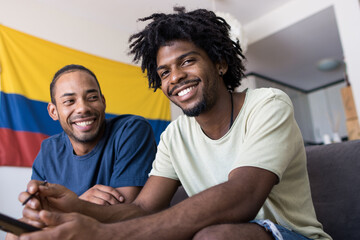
[{"x": 210, "y": 233}]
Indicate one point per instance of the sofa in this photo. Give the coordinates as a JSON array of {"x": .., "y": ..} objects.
[{"x": 334, "y": 174}]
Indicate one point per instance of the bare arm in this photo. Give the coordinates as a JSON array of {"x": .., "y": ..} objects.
[
  {"x": 105, "y": 195},
  {"x": 237, "y": 200},
  {"x": 155, "y": 196}
]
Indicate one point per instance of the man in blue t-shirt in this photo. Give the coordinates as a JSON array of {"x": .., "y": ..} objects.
[{"x": 104, "y": 161}]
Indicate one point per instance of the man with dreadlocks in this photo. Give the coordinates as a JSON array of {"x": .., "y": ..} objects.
[{"x": 239, "y": 155}]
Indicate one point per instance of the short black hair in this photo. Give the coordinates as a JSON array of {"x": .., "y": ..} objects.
[
  {"x": 67, "y": 69},
  {"x": 201, "y": 27}
]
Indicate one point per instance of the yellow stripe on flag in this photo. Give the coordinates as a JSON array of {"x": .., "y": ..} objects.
[{"x": 28, "y": 64}]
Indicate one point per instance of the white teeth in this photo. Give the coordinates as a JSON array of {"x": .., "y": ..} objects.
[
  {"x": 83, "y": 124},
  {"x": 185, "y": 91}
]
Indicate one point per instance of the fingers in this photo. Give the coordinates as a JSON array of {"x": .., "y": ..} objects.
[
  {"x": 31, "y": 216},
  {"x": 33, "y": 186},
  {"x": 33, "y": 203},
  {"x": 10, "y": 236},
  {"x": 53, "y": 197},
  {"x": 111, "y": 191},
  {"x": 31, "y": 193},
  {"x": 52, "y": 219},
  {"x": 46, "y": 190},
  {"x": 103, "y": 195},
  {"x": 67, "y": 226}
]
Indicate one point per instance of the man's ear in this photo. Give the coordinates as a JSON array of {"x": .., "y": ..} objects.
[
  {"x": 103, "y": 99},
  {"x": 52, "y": 111},
  {"x": 222, "y": 67}
]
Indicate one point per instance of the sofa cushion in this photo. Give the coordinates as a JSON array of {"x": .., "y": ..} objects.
[{"x": 334, "y": 173}]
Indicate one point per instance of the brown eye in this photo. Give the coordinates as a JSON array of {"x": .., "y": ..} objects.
[
  {"x": 164, "y": 74},
  {"x": 188, "y": 61},
  {"x": 93, "y": 98},
  {"x": 68, "y": 102}
]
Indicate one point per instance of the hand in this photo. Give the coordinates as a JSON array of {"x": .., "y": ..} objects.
[
  {"x": 51, "y": 197},
  {"x": 103, "y": 195},
  {"x": 11, "y": 236},
  {"x": 66, "y": 226},
  {"x": 32, "y": 207}
]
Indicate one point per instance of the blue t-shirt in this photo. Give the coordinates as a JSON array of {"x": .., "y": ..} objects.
[{"x": 122, "y": 157}]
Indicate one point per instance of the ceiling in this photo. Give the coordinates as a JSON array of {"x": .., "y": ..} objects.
[
  {"x": 291, "y": 55},
  {"x": 288, "y": 56}
]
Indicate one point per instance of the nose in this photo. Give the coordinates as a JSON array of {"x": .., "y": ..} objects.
[
  {"x": 177, "y": 75},
  {"x": 82, "y": 106}
]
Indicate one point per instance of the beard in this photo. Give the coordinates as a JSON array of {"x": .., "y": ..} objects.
[
  {"x": 85, "y": 137},
  {"x": 196, "y": 110},
  {"x": 203, "y": 105}
]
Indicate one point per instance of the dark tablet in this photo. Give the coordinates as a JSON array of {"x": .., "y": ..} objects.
[{"x": 11, "y": 225}]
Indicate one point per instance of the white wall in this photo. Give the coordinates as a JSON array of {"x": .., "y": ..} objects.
[
  {"x": 327, "y": 112},
  {"x": 47, "y": 20},
  {"x": 317, "y": 113},
  {"x": 248, "y": 82},
  {"x": 347, "y": 17},
  {"x": 13, "y": 180}
]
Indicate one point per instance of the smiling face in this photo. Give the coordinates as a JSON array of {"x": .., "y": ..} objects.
[
  {"x": 80, "y": 107},
  {"x": 188, "y": 77}
]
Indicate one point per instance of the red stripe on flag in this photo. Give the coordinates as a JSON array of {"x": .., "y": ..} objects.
[{"x": 19, "y": 148}]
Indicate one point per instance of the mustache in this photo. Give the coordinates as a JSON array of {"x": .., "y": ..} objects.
[
  {"x": 182, "y": 84},
  {"x": 74, "y": 118}
]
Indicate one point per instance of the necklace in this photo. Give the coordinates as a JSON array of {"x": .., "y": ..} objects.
[{"x": 232, "y": 110}]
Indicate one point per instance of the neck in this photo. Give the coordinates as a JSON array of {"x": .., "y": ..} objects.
[
  {"x": 80, "y": 149},
  {"x": 215, "y": 122}
]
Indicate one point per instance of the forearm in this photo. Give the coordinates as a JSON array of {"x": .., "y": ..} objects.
[
  {"x": 188, "y": 217},
  {"x": 111, "y": 213},
  {"x": 235, "y": 201}
]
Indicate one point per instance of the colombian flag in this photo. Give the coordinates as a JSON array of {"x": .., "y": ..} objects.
[{"x": 27, "y": 65}]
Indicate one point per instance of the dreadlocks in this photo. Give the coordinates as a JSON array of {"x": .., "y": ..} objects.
[{"x": 202, "y": 27}]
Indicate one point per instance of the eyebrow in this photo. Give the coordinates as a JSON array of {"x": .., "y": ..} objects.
[
  {"x": 179, "y": 58},
  {"x": 72, "y": 94}
]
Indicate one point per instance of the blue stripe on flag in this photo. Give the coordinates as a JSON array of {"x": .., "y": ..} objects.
[{"x": 22, "y": 114}]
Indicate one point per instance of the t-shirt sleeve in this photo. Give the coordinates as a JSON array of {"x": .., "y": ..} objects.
[
  {"x": 37, "y": 168},
  {"x": 136, "y": 149},
  {"x": 272, "y": 137},
  {"x": 162, "y": 166}
]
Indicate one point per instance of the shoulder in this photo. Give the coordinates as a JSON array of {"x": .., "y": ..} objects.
[
  {"x": 127, "y": 125},
  {"x": 266, "y": 99},
  {"x": 53, "y": 146},
  {"x": 180, "y": 127},
  {"x": 180, "y": 122},
  {"x": 267, "y": 94},
  {"x": 126, "y": 120},
  {"x": 56, "y": 139}
]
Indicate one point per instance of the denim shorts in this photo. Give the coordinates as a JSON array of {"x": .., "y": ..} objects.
[{"x": 279, "y": 232}]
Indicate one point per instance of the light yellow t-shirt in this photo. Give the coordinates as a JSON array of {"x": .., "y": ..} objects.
[{"x": 265, "y": 135}]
